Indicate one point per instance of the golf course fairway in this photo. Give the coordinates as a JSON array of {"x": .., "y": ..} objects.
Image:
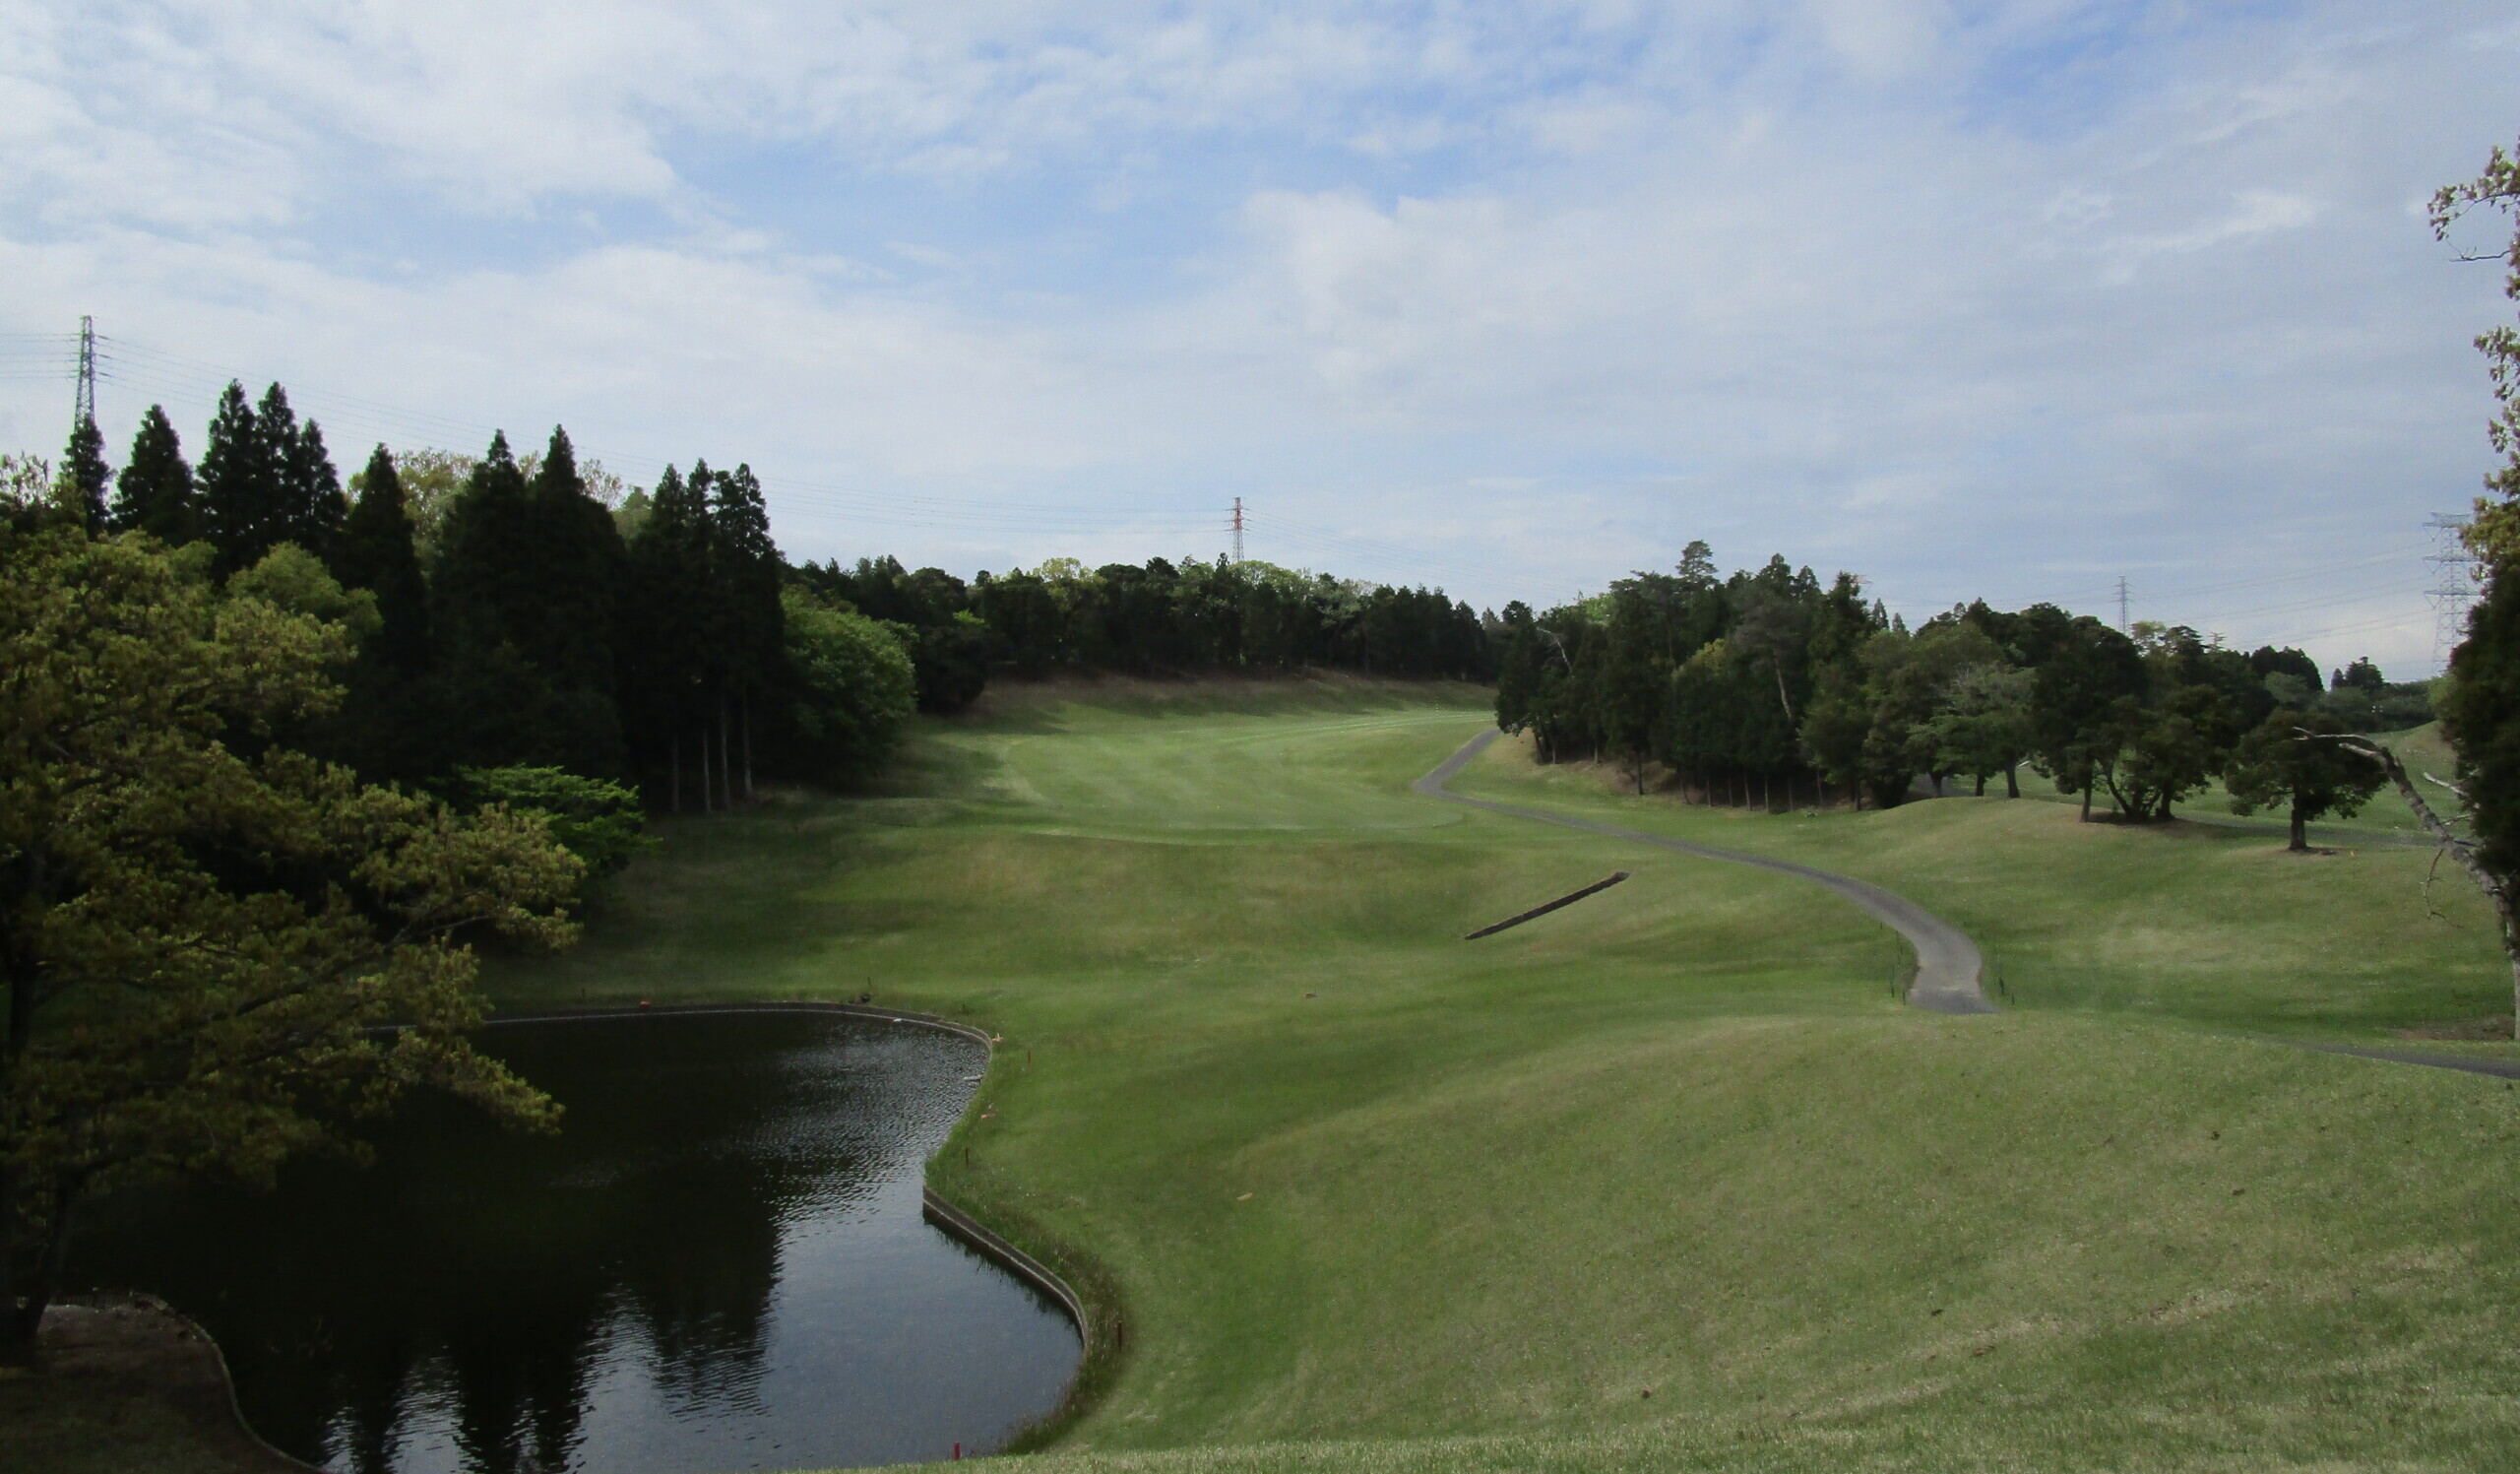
[{"x": 1669, "y": 1178}]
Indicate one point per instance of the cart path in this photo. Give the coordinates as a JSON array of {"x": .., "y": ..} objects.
[{"x": 1948, "y": 967}]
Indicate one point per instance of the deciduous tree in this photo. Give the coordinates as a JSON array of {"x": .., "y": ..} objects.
[
  {"x": 2291, "y": 759},
  {"x": 209, "y": 959}
]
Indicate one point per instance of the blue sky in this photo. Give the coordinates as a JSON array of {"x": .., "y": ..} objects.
[{"x": 2004, "y": 299}]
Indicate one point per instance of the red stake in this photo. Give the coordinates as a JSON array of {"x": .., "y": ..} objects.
[{"x": 957, "y": 1453}]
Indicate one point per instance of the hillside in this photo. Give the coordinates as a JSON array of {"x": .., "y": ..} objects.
[{"x": 1668, "y": 1178}]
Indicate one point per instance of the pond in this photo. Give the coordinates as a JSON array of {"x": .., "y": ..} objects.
[{"x": 719, "y": 1263}]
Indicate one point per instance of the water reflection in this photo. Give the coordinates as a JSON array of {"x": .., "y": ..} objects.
[{"x": 719, "y": 1263}]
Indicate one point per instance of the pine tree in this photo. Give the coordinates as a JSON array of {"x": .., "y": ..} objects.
[
  {"x": 239, "y": 483},
  {"x": 155, "y": 493},
  {"x": 485, "y": 572},
  {"x": 312, "y": 509},
  {"x": 85, "y": 473},
  {"x": 580, "y": 568},
  {"x": 747, "y": 583},
  {"x": 375, "y": 551},
  {"x": 666, "y": 663}
]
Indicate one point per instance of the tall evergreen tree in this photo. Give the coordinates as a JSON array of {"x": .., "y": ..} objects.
[
  {"x": 519, "y": 691},
  {"x": 239, "y": 486},
  {"x": 85, "y": 473},
  {"x": 578, "y": 552},
  {"x": 666, "y": 649},
  {"x": 312, "y": 509},
  {"x": 747, "y": 586},
  {"x": 155, "y": 493},
  {"x": 376, "y": 553}
]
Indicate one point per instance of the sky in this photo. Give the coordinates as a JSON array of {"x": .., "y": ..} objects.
[{"x": 2008, "y": 301}]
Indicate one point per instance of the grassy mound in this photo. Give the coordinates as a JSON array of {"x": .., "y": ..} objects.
[{"x": 1667, "y": 1180}]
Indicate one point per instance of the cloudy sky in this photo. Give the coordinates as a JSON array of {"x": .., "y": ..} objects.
[{"x": 2007, "y": 298}]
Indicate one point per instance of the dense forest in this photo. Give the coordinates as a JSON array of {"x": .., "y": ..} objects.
[
  {"x": 1769, "y": 687},
  {"x": 529, "y": 627}
]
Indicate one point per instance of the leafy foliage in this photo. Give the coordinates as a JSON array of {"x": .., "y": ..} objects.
[
  {"x": 2480, "y": 708},
  {"x": 600, "y": 823},
  {"x": 199, "y": 946},
  {"x": 2283, "y": 761},
  {"x": 854, "y": 687}
]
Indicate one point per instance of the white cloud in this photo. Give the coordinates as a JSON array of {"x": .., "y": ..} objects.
[{"x": 1975, "y": 298}]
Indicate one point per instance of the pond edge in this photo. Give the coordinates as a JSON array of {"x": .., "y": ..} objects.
[{"x": 1096, "y": 1358}]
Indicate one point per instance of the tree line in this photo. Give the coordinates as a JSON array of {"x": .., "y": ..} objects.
[
  {"x": 1768, "y": 687},
  {"x": 1158, "y": 618},
  {"x": 525, "y": 614},
  {"x": 508, "y": 619}
]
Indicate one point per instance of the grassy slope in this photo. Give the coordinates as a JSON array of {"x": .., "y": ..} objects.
[
  {"x": 1675, "y": 1139},
  {"x": 2188, "y": 923}
]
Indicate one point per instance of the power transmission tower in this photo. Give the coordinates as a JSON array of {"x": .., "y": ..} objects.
[
  {"x": 2454, "y": 585},
  {"x": 2124, "y": 627},
  {"x": 86, "y": 410},
  {"x": 1237, "y": 529}
]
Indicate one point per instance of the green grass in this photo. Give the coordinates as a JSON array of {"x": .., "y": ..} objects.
[
  {"x": 2182, "y": 922},
  {"x": 1371, "y": 1197}
]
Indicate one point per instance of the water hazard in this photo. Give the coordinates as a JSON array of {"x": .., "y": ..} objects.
[{"x": 717, "y": 1265}]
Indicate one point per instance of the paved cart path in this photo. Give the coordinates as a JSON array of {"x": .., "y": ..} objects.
[{"x": 1948, "y": 967}]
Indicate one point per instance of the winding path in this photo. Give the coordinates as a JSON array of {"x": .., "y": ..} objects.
[{"x": 1948, "y": 967}]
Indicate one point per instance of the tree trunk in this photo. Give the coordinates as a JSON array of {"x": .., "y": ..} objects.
[
  {"x": 725, "y": 767},
  {"x": 2012, "y": 780},
  {"x": 33, "y": 1296},
  {"x": 707, "y": 804},
  {"x": 2085, "y": 819},
  {"x": 1981, "y": 787},
  {"x": 747, "y": 715},
  {"x": 673, "y": 756},
  {"x": 2301, "y": 829}
]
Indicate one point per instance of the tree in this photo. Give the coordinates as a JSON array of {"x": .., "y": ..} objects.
[
  {"x": 1633, "y": 683},
  {"x": 2085, "y": 669},
  {"x": 311, "y": 507},
  {"x": 2291, "y": 759},
  {"x": 855, "y": 687},
  {"x": 525, "y": 607},
  {"x": 666, "y": 663},
  {"x": 211, "y": 959},
  {"x": 85, "y": 473},
  {"x": 747, "y": 570},
  {"x": 598, "y": 820},
  {"x": 1984, "y": 728},
  {"x": 2481, "y": 708},
  {"x": 376, "y": 553},
  {"x": 238, "y": 494},
  {"x": 155, "y": 493}
]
